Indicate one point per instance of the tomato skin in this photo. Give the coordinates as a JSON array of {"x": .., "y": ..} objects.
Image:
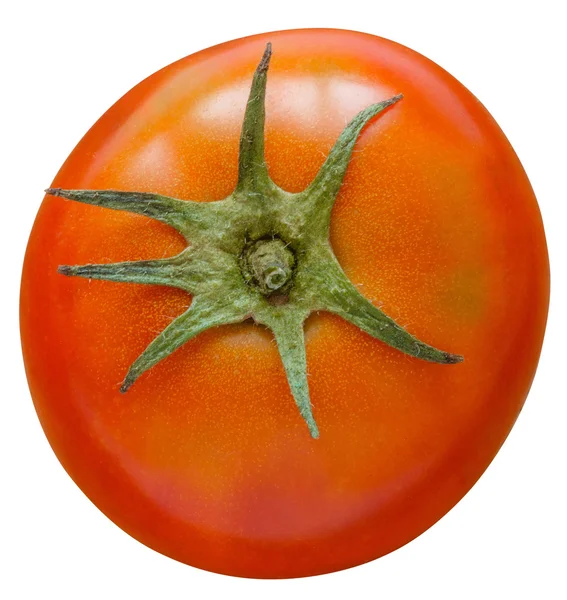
[{"x": 206, "y": 459}]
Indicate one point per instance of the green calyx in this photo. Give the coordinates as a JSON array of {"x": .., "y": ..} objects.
[{"x": 261, "y": 253}]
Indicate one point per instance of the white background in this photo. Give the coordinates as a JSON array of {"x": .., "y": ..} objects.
[{"x": 63, "y": 65}]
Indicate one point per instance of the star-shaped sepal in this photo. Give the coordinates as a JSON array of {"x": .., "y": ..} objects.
[{"x": 261, "y": 253}]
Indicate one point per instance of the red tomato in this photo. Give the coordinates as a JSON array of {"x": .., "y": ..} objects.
[{"x": 206, "y": 458}]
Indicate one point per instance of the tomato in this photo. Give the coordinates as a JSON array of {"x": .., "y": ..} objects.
[{"x": 206, "y": 458}]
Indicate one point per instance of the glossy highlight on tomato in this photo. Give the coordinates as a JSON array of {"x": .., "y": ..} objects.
[{"x": 206, "y": 458}]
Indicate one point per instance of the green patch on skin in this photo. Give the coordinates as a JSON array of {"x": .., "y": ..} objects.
[
  {"x": 260, "y": 253},
  {"x": 465, "y": 293}
]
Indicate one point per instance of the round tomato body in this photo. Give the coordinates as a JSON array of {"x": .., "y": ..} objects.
[{"x": 206, "y": 459}]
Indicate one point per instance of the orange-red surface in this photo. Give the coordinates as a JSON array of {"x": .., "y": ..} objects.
[{"x": 206, "y": 458}]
